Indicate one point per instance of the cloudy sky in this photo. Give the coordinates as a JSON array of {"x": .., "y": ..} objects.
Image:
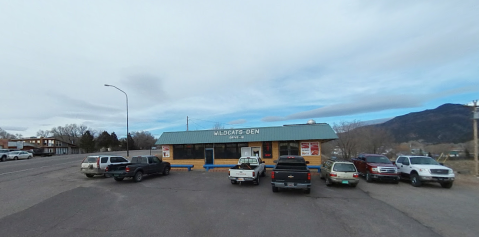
[{"x": 236, "y": 63}]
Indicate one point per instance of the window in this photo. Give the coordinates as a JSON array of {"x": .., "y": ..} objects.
[
  {"x": 229, "y": 150},
  {"x": 400, "y": 160},
  {"x": 267, "y": 150},
  {"x": 288, "y": 148},
  {"x": 104, "y": 159},
  {"x": 152, "y": 160},
  {"x": 189, "y": 151}
]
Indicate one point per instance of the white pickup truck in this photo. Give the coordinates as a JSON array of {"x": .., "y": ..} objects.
[{"x": 248, "y": 169}]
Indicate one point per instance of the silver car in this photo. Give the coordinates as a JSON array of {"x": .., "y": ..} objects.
[
  {"x": 15, "y": 155},
  {"x": 339, "y": 172}
]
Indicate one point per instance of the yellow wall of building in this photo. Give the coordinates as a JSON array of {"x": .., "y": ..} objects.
[{"x": 198, "y": 163}]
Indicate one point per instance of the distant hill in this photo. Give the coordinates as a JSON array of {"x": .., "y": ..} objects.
[{"x": 448, "y": 123}]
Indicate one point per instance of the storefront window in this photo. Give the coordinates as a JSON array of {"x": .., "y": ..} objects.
[
  {"x": 189, "y": 151},
  {"x": 288, "y": 148},
  {"x": 229, "y": 150}
]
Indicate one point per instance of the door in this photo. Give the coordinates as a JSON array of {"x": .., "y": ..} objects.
[
  {"x": 256, "y": 151},
  {"x": 245, "y": 151},
  {"x": 209, "y": 156}
]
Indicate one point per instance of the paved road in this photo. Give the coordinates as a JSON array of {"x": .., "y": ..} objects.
[{"x": 49, "y": 197}]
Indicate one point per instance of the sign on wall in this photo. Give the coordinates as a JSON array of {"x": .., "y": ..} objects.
[
  {"x": 166, "y": 151},
  {"x": 267, "y": 149},
  {"x": 310, "y": 148}
]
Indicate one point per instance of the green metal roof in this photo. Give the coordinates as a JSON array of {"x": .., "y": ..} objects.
[{"x": 320, "y": 131}]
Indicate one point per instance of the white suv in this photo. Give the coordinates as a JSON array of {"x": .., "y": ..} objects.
[
  {"x": 421, "y": 169},
  {"x": 95, "y": 165}
]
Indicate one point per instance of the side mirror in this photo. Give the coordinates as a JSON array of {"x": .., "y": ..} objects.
[
  {"x": 275, "y": 161},
  {"x": 441, "y": 164},
  {"x": 307, "y": 162},
  {"x": 394, "y": 162}
]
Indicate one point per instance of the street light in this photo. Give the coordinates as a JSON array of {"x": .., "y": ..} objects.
[{"x": 127, "y": 146}]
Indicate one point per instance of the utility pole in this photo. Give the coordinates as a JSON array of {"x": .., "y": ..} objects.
[
  {"x": 186, "y": 123},
  {"x": 475, "y": 118}
]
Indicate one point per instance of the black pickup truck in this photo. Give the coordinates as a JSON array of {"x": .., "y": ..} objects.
[
  {"x": 40, "y": 152},
  {"x": 138, "y": 167},
  {"x": 291, "y": 172}
]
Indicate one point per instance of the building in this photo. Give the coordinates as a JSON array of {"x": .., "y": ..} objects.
[
  {"x": 50, "y": 144},
  {"x": 225, "y": 146}
]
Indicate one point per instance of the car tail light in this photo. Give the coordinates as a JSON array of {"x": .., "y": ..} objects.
[
  {"x": 106, "y": 169},
  {"x": 309, "y": 176},
  {"x": 127, "y": 169},
  {"x": 229, "y": 173},
  {"x": 272, "y": 175},
  {"x": 253, "y": 173},
  {"x": 333, "y": 174},
  {"x": 98, "y": 162},
  {"x": 355, "y": 175}
]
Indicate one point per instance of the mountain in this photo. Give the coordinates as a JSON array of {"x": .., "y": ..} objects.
[{"x": 448, "y": 123}]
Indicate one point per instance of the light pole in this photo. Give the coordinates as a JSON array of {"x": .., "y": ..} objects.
[
  {"x": 127, "y": 145},
  {"x": 475, "y": 117}
]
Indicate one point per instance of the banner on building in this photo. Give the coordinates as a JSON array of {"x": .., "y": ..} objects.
[
  {"x": 309, "y": 148},
  {"x": 166, "y": 151}
]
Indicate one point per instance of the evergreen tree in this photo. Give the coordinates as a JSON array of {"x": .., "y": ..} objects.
[
  {"x": 115, "y": 143},
  {"x": 104, "y": 140},
  {"x": 87, "y": 142}
]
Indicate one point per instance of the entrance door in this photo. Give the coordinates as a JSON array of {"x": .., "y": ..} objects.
[
  {"x": 245, "y": 151},
  {"x": 209, "y": 156},
  {"x": 256, "y": 151}
]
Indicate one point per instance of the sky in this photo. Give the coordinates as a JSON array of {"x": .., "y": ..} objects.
[{"x": 234, "y": 64}]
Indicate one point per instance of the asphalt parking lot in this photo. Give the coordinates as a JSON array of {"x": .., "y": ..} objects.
[{"x": 59, "y": 201}]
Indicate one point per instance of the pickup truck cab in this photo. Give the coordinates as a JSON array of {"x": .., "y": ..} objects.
[
  {"x": 248, "y": 169},
  {"x": 291, "y": 172},
  {"x": 96, "y": 165},
  {"x": 138, "y": 167},
  {"x": 420, "y": 169},
  {"x": 376, "y": 167},
  {"x": 4, "y": 154}
]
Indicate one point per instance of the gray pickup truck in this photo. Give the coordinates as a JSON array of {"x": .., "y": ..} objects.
[
  {"x": 138, "y": 167},
  {"x": 4, "y": 154},
  {"x": 291, "y": 172}
]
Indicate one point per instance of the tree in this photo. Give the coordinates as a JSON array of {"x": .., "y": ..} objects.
[
  {"x": 218, "y": 126},
  {"x": 374, "y": 139},
  {"x": 5, "y": 135},
  {"x": 131, "y": 143},
  {"x": 87, "y": 142},
  {"x": 70, "y": 132},
  {"x": 44, "y": 133},
  {"x": 143, "y": 140},
  {"x": 114, "y": 143},
  {"x": 348, "y": 138},
  {"x": 104, "y": 140}
]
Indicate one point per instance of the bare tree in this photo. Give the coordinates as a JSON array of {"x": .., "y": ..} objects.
[
  {"x": 218, "y": 126},
  {"x": 143, "y": 140},
  {"x": 71, "y": 132},
  {"x": 44, "y": 133},
  {"x": 348, "y": 137},
  {"x": 374, "y": 139},
  {"x": 5, "y": 135}
]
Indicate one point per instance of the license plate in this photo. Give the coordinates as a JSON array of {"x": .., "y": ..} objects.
[
  {"x": 345, "y": 182},
  {"x": 240, "y": 179},
  {"x": 290, "y": 184},
  {"x": 116, "y": 175}
]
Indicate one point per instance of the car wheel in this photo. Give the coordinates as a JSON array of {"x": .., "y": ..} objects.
[
  {"x": 275, "y": 189},
  {"x": 415, "y": 181},
  {"x": 233, "y": 182},
  {"x": 354, "y": 185},
  {"x": 3, "y": 158},
  {"x": 118, "y": 179},
  {"x": 328, "y": 182},
  {"x": 368, "y": 177},
  {"x": 15, "y": 158},
  {"x": 89, "y": 175},
  {"x": 256, "y": 182},
  {"x": 106, "y": 175},
  {"x": 307, "y": 191},
  {"x": 263, "y": 174},
  {"x": 446, "y": 185},
  {"x": 396, "y": 181},
  {"x": 321, "y": 175},
  {"x": 138, "y": 176},
  {"x": 29, "y": 157},
  {"x": 166, "y": 171}
]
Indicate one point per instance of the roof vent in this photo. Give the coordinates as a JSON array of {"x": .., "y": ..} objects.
[{"x": 311, "y": 121}]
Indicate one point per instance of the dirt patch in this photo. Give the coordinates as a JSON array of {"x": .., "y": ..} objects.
[{"x": 464, "y": 170}]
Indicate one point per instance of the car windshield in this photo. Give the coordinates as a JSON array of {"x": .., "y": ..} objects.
[
  {"x": 378, "y": 159},
  {"x": 248, "y": 160},
  {"x": 90, "y": 160},
  {"x": 341, "y": 167},
  {"x": 423, "y": 161}
]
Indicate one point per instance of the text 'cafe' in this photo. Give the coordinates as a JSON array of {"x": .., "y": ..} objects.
[{"x": 225, "y": 146}]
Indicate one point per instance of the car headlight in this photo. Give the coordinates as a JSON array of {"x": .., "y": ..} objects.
[
  {"x": 425, "y": 170},
  {"x": 374, "y": 169},
  {"x": 451, "y": 172}
]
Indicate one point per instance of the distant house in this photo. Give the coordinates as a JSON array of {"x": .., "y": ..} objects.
[{"x": 48, "y": 144}]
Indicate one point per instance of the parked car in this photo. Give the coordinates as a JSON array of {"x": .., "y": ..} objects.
[
  {"x": 138, "y": 167},
  {"x": 421, "y": 169},
  {"x": 40, "y": 152},
  {"x": 4, "y": 154},
  {"x": 248, "y": 169},
  {"x": 339, "y": 172},
  {"x": 376, "y": 167},
  {"x": 291, "y": 172},
  {"x": 15, "y": 155},
  {"x": 95, "y": 165}
]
